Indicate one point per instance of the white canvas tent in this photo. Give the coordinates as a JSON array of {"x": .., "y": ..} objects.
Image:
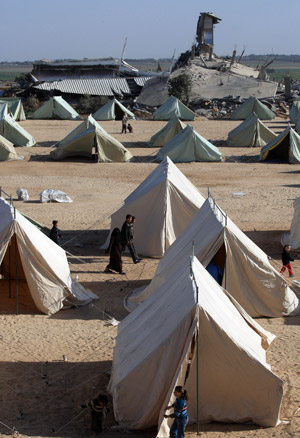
[
  {"x": 113, "y": 110},
  {"x": 284, "y": 147},
  {"x": 157, "y": 348},
  {"x": 172, "y": 128},
  {"x": 292, "y": 238},
  {"x": 248, "y": 275},
  {"x": 251, "y": 132},
  {"x": 15, "y": 107},
  {"x": 56, "y": 108},
  {"x": 92, "y": 139},
  {"x": 173, "y": 107},
  {"x": 189, "y": 146},
  {"x": 7, "y": 150},
  {"x": 15, "y": 133},
  {"x": 163, "y": 204},
  {"x": 252, "y": 105},
  {"x": 295, "y": 112},
  {"x": 34, "y": 267}
]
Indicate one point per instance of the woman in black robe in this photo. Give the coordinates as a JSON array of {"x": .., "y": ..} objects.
[{"x": 114, "y": 250}]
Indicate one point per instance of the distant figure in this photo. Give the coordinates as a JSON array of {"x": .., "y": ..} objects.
[
  {"x": 215, "y": 271},
  {"x": 115, "y": 250},
  {"x": 180, "y": 414},
  {"x": 55, "y": 233},
  {"x": 130, "y": 128},
  {"x": 127, "y": 235},
  {"x": 98, "y": 411},
  {"x": 286, "y": 259},
  {"x": 124, "y": 124}
]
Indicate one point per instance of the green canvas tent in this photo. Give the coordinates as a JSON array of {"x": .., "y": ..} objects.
[
  {"x": 172, "y": 128},
  {"x": 251, "y": 132},
  {"x": 113, "y": 110},
  {"x": 172, "y": 107},
  {"x": 83, "y": 127},
  {"x": 7, "y": 150},
  {"x": 252, "y": 105},
  {"x": 295, "y": 112},
  {"x": 189, "y": 146},
  {"x": 285, "y": 147},
  {"x": 15, "y": 106},
  {"x": 13, "y": 132},
  {"x": 107, "y": 148},
  {"x": 4, "y": 110},
  {"x": 56, "y": 108}
]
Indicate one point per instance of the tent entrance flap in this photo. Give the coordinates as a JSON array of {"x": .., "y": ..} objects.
[
  {"x": 14, "y": 290},
  {"x": 119, "y": 113},
  {"x": 280, "y": 151}
]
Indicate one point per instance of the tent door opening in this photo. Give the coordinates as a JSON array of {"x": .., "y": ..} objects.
[{"x": 14, "y": 291}]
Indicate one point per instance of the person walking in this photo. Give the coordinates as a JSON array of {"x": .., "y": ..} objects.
[
  {"x": 286, "y": 259},
  {"x": 115, "y": 250},
  {"x": 131, "y": 237},
  {"x": 126, "y": 233},
  {"x": 180, "y": 414},
  {"x": 55, "y": 233},
  {"x": 124, "y": 124}
]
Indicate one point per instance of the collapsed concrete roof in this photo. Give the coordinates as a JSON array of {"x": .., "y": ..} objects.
[{"x": 210, "y": 83}]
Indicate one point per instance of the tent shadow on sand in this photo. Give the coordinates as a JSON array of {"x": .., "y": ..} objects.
[
  {"x": 40, "y": 398},
  {"x": 268, "y": 241}
]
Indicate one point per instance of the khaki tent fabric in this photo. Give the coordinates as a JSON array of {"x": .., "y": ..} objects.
[
  {"x": 292, "y": 238},
  {"x": 156, "y": 349},
  {"x": 248, "y": 275},
  {"x": 285, "y": 147},
  {"x": 170, "y": 130},
  {"x": 107, "y": 148},
  {"x": 44, "y": 263},
  {"x": 113, "y": 110},
  {"x": 7, "y": 150},
  {"x": 56, "y": 108},
  {"x": 251, "y": 132},
  {"x": 15, "y": 107},
  {"x": 188, "y": 146},
  {"x": 295, "y": 112},
  {"x": 83, "y": 127},
  {"x": 252, "y": 105},
  {"x": 13, "y": 132},
  {"x": 173, "y": 107},
  {"x": 163, "y": 204}
]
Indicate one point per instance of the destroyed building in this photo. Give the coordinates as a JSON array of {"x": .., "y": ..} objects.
[
  {"x": 212, "y": 77},
  {"x": 110, "y": 77}
]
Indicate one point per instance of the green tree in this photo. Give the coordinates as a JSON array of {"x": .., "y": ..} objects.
[{"x": 180, "y": 87}]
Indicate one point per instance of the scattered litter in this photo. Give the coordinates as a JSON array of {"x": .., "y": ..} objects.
[
  {"x": 239, "y": 194},
  {"x": 54, "y": 195},
  {"x": 65, "y": 359},
  {"x": 113, "y": 322},
  {"x": 22, "y": 195}
]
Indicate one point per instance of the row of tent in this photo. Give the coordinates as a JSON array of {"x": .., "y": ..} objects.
[{"x": 197, "y": 333}]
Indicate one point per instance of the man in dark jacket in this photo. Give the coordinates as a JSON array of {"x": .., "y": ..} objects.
[{"x": 127, "y": 235}]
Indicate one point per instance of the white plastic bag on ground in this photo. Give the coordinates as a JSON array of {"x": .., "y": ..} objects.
[
  {"x": 22, "y": 195},
  {"x": 54, "y": 195}
]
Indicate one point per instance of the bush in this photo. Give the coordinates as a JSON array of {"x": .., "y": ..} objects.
[
  {"x": 90, "y": 104},
  {"x": 180, "y": 87},
  {"x": 31, "y": 105}
]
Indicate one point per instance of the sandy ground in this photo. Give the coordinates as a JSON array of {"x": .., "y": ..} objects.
[{"x": 51, "y": 365}]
